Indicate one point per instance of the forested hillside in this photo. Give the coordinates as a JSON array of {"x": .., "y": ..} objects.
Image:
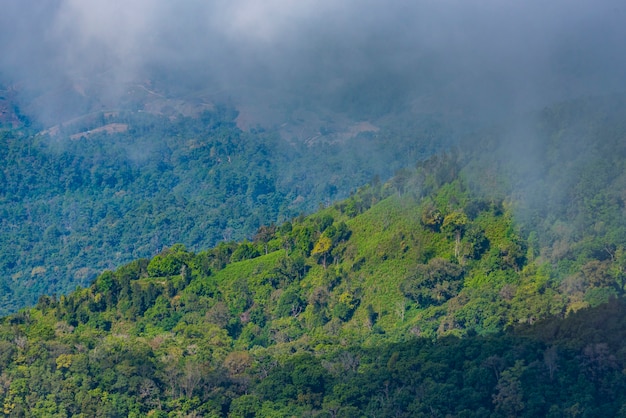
[
  {"x": 445, "y": 291},
  {"x": 111, "y": 187},
  {"x": 312, "y": 209}
]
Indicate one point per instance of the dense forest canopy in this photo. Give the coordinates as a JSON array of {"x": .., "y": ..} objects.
[
  {"x": 418, "y": 296},
  {"x": 314, "y": 208},
  {"x": 106, "y": 189},
  {"x": 80, "y": 200}
]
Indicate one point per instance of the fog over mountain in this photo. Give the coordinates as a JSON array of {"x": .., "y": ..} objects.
[{"x": 478, "y": 55}]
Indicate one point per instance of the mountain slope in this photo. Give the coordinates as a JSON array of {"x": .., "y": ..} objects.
[
  {"x": 355, "y": 309},
  {"x": 105, "y": 189}
]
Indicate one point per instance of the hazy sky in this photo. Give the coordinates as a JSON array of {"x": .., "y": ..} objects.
[{"x": 478, "y": 52}]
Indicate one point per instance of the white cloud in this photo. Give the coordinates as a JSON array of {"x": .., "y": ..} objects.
[{"x": 512, "y": 47}]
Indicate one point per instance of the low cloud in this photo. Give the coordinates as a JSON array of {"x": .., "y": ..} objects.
[{"x": 476, "y": 54}]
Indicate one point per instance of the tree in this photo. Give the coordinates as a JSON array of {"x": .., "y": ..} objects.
[
  {"x": 322, "y": 248},
  {"x": 244, "y": 251},
  {"x": 245, "y": 406},
  {"x": 509, "y": 398},
  {"x": 431, "y": 217},
  {"x": 169, "y": 262},
  {"x": 433, "y": 283},
  {"x": 551, "y": 360},
  {"x": 264, "y": 234},
  {"x": 454, "y": 223}
]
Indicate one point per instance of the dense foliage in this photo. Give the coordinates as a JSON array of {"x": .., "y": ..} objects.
[
  {"x": 463, "y": 286},
  {"x": 417, "y": 297},
  {"x": 111, "y": 187}
]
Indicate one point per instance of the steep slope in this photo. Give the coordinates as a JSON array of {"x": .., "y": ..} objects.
[
  {"x": 115, "y": 186},
  {"x": 355, "y": 309}
]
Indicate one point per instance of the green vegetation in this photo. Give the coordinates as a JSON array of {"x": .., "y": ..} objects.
[
  {"x": 460, "y": 287},
  {"x": 78, "y": 199},
  {"x": 417, "y": 297}
]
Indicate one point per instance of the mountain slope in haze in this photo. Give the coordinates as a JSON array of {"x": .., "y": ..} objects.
[
  {"x": 566, "y": 181},
  {"x": 106, "y": 188},
  {"x": 356, "y": 309}
]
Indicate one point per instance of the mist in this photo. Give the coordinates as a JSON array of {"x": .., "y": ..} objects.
[{"x": 450, "y": 56}]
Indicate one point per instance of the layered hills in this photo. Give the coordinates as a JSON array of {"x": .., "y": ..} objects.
[
  {"x": 317, "y": 209},
  {"x": 444, "y": 291},
  {"x": 103, "y": 189}
]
